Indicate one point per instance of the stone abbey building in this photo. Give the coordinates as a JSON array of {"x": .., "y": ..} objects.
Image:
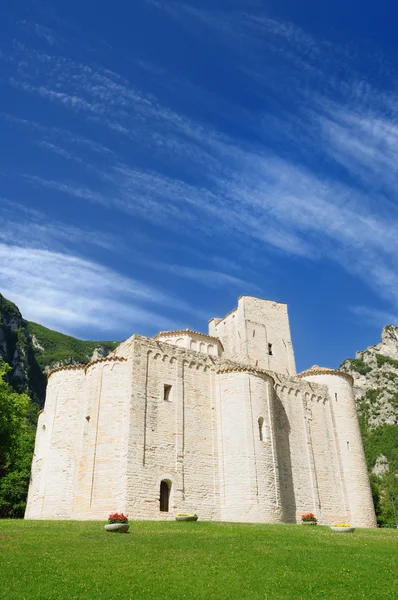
[{"x": 219, "y": 424}]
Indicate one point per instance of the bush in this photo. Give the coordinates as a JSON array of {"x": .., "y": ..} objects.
[
  {"x": 359, "y": 365},
  {"x": 386, "y": 360}
]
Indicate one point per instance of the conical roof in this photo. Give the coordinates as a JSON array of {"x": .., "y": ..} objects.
[{"x": 317, "y": 370}]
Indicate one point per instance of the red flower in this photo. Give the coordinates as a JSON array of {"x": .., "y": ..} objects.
[{"x": 118, "y": 518}]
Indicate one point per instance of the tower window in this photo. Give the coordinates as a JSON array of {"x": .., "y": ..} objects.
[
  {"x": 348, "y": 446},
  {"x": 260, "y": 428},
  {"x": 270, "y": 349},
  {"x": 167, "y": 393},
  {"x": 254, "y": 332}
]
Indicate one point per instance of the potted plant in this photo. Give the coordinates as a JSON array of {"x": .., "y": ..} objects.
[
  {"x": 117, "y": 523},
  {"x": 186, "y": 517},
  {"x": 342, "y": 528},
  {"x": 309, "y": 519}
]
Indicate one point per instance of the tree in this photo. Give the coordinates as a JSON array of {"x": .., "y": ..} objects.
[
  {"x": 13, "y": 412},
  {"x": 16, "y": 447}
]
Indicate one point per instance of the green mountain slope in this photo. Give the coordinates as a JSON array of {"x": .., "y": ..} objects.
[
  {"x": 52, "y": 348},
  {"x": 32, "y": 350}
]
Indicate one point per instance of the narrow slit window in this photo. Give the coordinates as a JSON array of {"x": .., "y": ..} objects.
[
  {"x": 260, "y": 428},
  {"x": 254, "y": 332},
  {"x": 167, "y": 393},
  {"x": 270, "y": 349},
  {"x": 348, "y": 446}
]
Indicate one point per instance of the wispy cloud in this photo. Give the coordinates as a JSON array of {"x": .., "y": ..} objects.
[
  {"x": 27, "y": 227},
  {"x": 207, "y": 277},
  {"x": 312, "y": 174},
  {"x": 375, "y": 317},
  {"x": 69, "y": 293}
]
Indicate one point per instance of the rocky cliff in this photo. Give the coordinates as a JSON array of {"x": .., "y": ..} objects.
[
  {"x": 375, "y": 373},
  {"x": 32, "y": 350}
]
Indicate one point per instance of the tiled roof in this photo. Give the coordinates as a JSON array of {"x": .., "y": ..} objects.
[
  {"x": 316, "y": 370},
  {"x": 184, "y": 332},
  {"x": 85, "y": 367},
  {"x": 243, "y": 369}
]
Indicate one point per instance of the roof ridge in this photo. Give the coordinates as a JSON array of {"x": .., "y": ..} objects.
[{"x": 182, "y": 331}]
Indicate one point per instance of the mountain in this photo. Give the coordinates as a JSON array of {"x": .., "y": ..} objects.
[
  {"x": 32, "y": 350},
  {"x": 375, "y": 373}
]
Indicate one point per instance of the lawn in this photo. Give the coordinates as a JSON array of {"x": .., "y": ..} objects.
[{"x": 43, "y": 560}]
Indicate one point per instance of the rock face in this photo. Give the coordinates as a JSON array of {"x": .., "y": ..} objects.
[
  {"x": 375, "y": 373},
  {"x": 15, "y": 344},
  {"x": 32, "y": 350}
]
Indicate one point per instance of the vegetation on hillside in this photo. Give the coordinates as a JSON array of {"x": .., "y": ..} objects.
[
  {"x": 54, "y": 348},
  {"x": 359, "y": 365},
  {"x": 382, "y": 441},
  {"x": 376, "y": 388},
  {"x": 31, "y": 350}
]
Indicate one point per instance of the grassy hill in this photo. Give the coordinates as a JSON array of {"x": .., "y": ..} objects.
[
  {"x": 195, "y": 561},
  {"x": 32, "y": 350},
  {"x": 52, "y": 348}
]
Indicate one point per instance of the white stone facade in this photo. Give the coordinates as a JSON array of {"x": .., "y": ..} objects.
[{"x": 216, "y": 424}]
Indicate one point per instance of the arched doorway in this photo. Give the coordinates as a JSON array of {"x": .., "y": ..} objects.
[{"x": 165, "y": 488}]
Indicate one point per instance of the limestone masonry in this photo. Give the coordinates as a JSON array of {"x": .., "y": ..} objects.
[{"x": 219, "y": 424}]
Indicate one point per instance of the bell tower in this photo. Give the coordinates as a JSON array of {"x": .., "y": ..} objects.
[{"x": 257, "y": 333}]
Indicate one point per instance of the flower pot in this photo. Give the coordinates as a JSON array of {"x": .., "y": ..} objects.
[
  {"x": 117, "y": 527},
  {"x": 342, "y": 529},
  {"x": 309, "y": 523},
  {"x": 182, "y": 517}
]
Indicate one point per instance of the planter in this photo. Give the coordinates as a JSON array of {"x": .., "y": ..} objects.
[
  {"x": 309, "y": 523},
  {"x": 342, "y": 529},
  {"x": 117, "y": 527},
  {"x": 182, "y": 517}
]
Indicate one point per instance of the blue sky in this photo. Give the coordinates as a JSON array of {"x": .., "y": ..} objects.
[{"x": 160, "y": 159}]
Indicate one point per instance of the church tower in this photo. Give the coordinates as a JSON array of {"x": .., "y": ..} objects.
[{"x": 257, "y": 333}]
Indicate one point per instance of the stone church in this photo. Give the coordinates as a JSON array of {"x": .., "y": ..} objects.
[{"x": 219, "y": 425}]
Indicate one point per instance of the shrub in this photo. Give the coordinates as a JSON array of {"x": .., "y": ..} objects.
[
  {"x": 386, "y": 360},
  {"x": 360, "y": 366}
]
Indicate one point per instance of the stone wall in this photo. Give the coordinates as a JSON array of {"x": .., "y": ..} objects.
[
  {"x": 257, "y": 333},
  {"x": 349, "y": 448},
  {"x": 58, "y": 434},
  {"x": 231, "y": 440},
  {"x": 100, "y": 485},
  {"x": 248, "y": 471},
  {"x": 172, "y": 439}
]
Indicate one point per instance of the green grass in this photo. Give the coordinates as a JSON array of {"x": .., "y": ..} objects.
[{"x": 173, "y": 561}]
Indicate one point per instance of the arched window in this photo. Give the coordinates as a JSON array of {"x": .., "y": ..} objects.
[
  {"x": 165, "y": 489},
  {"x": 260, "y": 427}
]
